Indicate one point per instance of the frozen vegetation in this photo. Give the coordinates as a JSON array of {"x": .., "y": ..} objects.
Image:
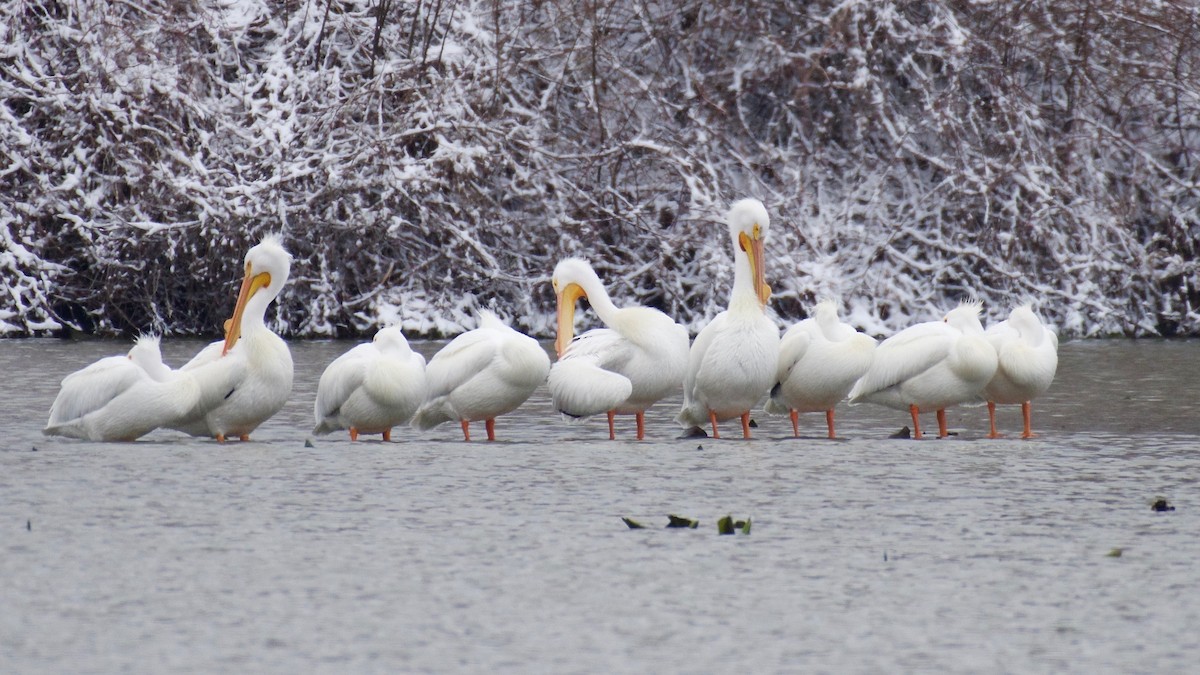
[{"x": 424, "y": 158}]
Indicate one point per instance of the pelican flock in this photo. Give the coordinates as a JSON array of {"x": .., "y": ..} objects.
[
  {"x": 638, "y": 357},
  {"x": 631, "y": 364},
  {"x": 733, "y": 360}
]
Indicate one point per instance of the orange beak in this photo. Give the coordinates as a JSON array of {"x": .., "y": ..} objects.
[
  {"x": 567, "y": 298},
  {"x": 251, "y": 284},
  {"x": 753, "y": 246}
]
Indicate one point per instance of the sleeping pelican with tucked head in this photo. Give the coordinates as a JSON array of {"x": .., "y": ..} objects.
[
  {"x": 733, "y": 361},
  {"x": 121, "y": 398},
  {"x": 247, "y": 377},
  {"x": 480, "y": 375},
  {"x": 1028, "y": 358},
  {"x": 371, "y": 388},
  {"x": 931, "y": 366},
  {"x": 624, "y": 368}
]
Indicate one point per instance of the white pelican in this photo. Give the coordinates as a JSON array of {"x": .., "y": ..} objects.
[
  {"x": 820, "y": 359},
  {"x": 625, "y": 368},
  {"x": 1028, "y": 355},
  {"x": 733, "y": 360},
  {"x": 247, "y": 378},
  {"x": 371, "y": 388},
  {"x": 121, "y": 398},
  {"x": 480, "y": 375},
  {"x": 935, "y": 365}
]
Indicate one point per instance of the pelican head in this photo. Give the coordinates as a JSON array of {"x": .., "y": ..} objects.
[
  {"x": 391, "y": 339},
  {"x": 573, "y": 279},
  {"x": 267, "y": 268},
  {"x": 748, "y": 224},
  {"x": 965, "y": 317}
]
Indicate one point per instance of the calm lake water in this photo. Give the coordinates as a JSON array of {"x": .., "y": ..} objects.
[{"x": 427, "y": 554}]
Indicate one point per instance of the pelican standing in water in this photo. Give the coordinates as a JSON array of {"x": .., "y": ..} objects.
[
  {"x": 121, "y": 398},
  {"x": 1028, "y": 359},
  {"x": 733, "y": 361},
  {"x": 820, "y": 359},
  {"x": 371, "y": 388},
  {"x": 246, "y": 378},
  {"x": 480, "y": 375},
  {"x": 931, "y": 365},
  {"x": 622, "y": 369}
]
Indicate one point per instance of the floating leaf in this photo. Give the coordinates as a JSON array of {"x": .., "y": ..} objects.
[
  {"x": 1115, "y": 553},
  {"x": 1161, "y": 504},
  {"x": 680, "y": 521},
  {"x": 633, "y": 524},
  {"x": 725, "y": 525},
  {"x": 746, "y": 526}
]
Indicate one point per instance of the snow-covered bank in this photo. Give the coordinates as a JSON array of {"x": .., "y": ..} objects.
[{"x": 425, "y": 159}]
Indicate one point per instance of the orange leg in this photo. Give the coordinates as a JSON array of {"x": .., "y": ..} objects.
[
  {"x": 829, "y": 422},
  {"x": 387, "y": 435},
  {"x": 490, "y": 425},
  {"x": 746, "y": 424},
  {"x": 220, "y": 438},
  {"x": 942, "y": 430},
  {"x": 466, "y": 426},
  {"x": 244, "y": 437},
  {"x": 641, "y": 425},
  {"x": 992, "y": 433},
  {"x": 612, "y": 431},
  {"x": 353, "y": 434},
  {"x": 795, "y": 424},
  {"x": 916, "y": 421},
  {"x": 712, "y": 417},
  {"x": 1027, "y": 414}
]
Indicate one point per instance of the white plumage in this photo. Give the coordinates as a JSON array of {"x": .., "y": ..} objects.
[
  {"x": 246, "y": 378},
  {"x": 372, "y": 387},
  {"x": 732, "y": 362},
  {"x": 931, "y": 366},
  {"x": 820, "y": 359},
  {"x": 480, "y": 375},
  {"x": 639, "y": 358},
  {"x": 121, "y": 398},
  {"x": 1028, "y": 358}
]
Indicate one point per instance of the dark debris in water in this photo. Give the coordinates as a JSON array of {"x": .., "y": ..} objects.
[
  {"x": 308, "y": 443},
  {"x": 753, "y": 424},
  {"x": 904, "y": 432},
  {"x": 679, "y": 521},
  {"x": 1161, "y": 504},
  {"x": 694, "y": 432}
]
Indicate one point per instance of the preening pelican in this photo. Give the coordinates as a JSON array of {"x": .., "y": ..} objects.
[
  {"x": 1028, "y": 357},
  {"x": 247, "y": 378},
  {"x": 733, "y": 360},
  {"x": 820, "y": 359},
  {"x": 371, "y": 388},
  {"x": 121, "y": 398},
  {"x": 480, "y": 375},
  {"x": 935, "y": 365},
  {"x": 625, "y": 368}
]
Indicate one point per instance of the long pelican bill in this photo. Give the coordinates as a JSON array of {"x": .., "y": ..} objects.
[
  {"x": 753, "y": 246},
  {"x": 251, "y": 283},
  {"x": 567, "y": 297}
]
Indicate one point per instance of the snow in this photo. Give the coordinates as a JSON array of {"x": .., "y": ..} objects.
[{"x": 910, "y": 154}]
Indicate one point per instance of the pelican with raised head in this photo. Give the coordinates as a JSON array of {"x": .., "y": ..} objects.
[
  {"x": 371, "y": 388},
  {"x": 1028, "y": 358},
  {"x": 733, "y": 361},
  {"x": 480, "y": 375},
  {"x": 931, "y": 366},
  {"x": 626, "y": 367},
  {"x": 820, "y": 359},
  {"x": 247, "y": 377}
]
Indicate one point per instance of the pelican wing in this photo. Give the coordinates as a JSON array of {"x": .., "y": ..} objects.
[
  {"x": 906, "y": 354},
  {"x": 699, "y": 350},
  {"x": 91, "y": 388},
  {"x": 580, "y": 387},
  {"x": 606, "y": 347},
  {"x": 459, "y": 361},
  {"x": 341, "y": 378},
  {"x": 792, "y": 348}
]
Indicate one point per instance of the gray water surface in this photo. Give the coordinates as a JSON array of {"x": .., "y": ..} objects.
[{"x": 428, "y": 554}]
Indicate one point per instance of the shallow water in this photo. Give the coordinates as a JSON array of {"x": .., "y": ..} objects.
[{"x": 429, "y": 554}]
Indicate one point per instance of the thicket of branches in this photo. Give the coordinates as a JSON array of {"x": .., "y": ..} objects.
[{"x": 425, "y": 157}]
